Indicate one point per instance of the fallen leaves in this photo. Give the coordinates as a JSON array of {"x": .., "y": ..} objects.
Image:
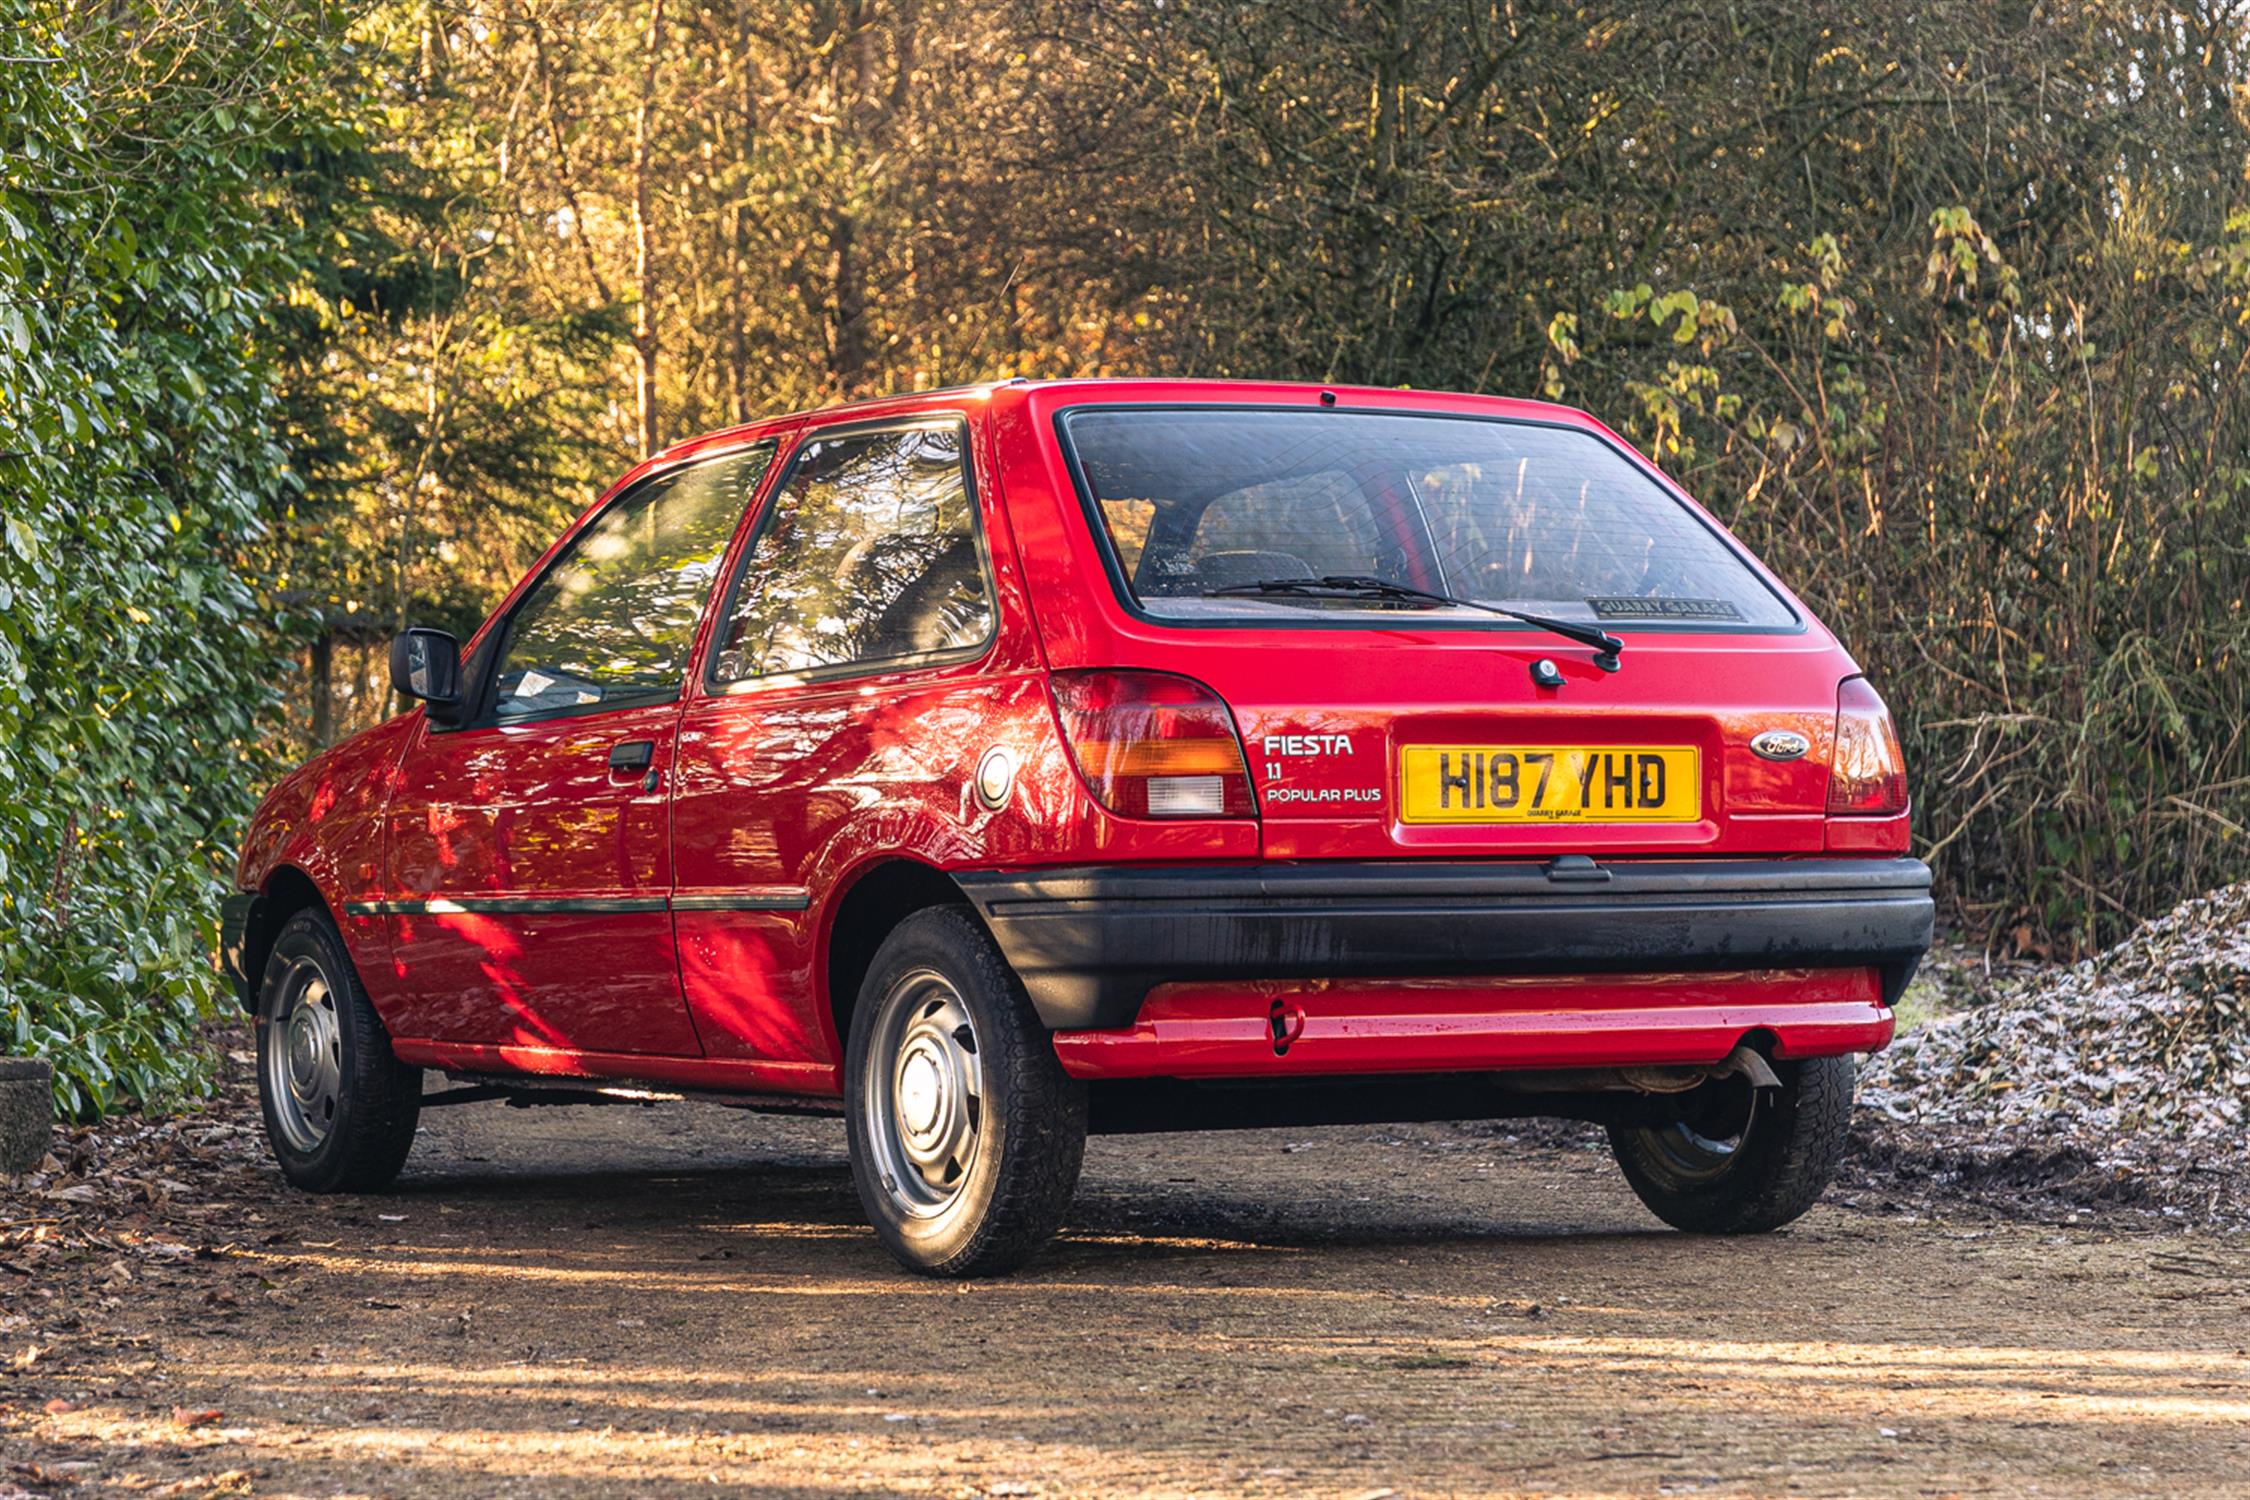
[
  {"x": 231, "y": 1482},
  {"x": 2136, "y": 1060},
  {"x": 133, "y": 1192}
]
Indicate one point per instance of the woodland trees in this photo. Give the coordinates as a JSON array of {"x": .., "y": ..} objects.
[
  {"x": 1941, "y": 305},
  {"x": 1944, "y": 306}
]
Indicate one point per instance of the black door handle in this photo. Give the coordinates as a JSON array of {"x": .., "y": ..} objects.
[{"x": 632, "y": 755}]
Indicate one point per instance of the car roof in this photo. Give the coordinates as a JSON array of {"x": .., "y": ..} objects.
[{"x": 1052, "y": 393}]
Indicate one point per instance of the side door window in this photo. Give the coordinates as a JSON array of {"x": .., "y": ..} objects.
[
  {"x": 869, "y": 553},
  {"x": 610, "y": 624}
]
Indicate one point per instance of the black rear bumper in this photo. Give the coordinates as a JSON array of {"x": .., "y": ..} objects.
[{"x": 1089, "y": 942}]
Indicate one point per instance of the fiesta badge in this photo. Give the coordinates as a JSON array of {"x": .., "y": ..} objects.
[{"x": 1781, "y": 744}]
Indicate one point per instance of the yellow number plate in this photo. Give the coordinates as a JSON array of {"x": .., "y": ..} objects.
[{"x": 1549, "y": 784}]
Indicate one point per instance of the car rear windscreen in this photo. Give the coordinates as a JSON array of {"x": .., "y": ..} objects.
[{"x": 1200, "y": 506}]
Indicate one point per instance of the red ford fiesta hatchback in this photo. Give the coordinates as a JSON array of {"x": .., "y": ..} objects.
[{"x": 1000, "y": 764}]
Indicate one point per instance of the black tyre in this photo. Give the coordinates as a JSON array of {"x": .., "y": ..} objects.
[
  {"x": 340, "y": 1109},
  {"x": 966, "y": 1134},
  {"x": 1744, "y": 1160}
]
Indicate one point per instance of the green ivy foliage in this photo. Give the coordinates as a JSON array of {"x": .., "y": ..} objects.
[{"x": 142, "y": 260}]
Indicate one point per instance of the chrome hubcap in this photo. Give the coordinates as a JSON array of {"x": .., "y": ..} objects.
[
  {"x": 924, "y": 1104},
  {"x": 304, "y": 1056}
]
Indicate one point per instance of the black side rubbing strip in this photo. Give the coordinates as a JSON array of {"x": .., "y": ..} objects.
[
  {"x": 780, "y": 898},
  {"x": 773, "y": 900},
  {"x": 499, "y": 905}
]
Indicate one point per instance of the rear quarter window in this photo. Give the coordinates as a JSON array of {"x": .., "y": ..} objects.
[{"x": 869, "y": 554}]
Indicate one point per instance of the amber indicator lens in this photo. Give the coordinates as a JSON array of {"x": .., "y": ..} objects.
[{"x": 1153, "y": 745}]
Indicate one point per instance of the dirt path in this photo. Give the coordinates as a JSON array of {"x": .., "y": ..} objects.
[{"x": 635, "y": 1300}]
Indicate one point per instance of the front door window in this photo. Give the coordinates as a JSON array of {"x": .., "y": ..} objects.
[{"x": 611, "y": 622}]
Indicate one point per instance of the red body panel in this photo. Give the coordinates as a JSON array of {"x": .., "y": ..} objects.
[
  {"x": 714, "y": 887},
  {"x": 324, "y": 822},
  {"x": 1454, "y": 1025},
  {"x": 525, "y": 814}
]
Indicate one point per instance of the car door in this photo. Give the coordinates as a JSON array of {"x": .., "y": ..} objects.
[
  {"x": 843, "y": 691},
  {"x": 529, "y": 849}
]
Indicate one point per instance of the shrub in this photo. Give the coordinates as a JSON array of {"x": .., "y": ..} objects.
[{"x": 141, "y": 257}]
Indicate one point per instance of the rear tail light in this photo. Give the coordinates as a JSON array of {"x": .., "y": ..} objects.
[
  {"x": 1151, "y": 745},
  {"x": 1868, "y": 775}
]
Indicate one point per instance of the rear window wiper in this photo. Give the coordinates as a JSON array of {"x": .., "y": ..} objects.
[{"x": 1360, "y": 586}]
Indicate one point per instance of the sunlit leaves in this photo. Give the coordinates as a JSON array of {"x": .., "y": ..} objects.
[
  {"x": 1945, "y": 306},
  {"x": 140, "y": 255}
]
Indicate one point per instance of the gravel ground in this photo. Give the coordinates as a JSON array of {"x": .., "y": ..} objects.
[{"x": 644, "y": 1301}]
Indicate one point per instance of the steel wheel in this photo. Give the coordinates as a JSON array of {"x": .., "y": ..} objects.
[
  {"x": 924, "y": 1101},
  {"x": 1702, "y": 1146},
  {"x": 1738, "y": 1159},
  {"x": 304, "y": 1056},
  {"x": 966, "y": 1134}
]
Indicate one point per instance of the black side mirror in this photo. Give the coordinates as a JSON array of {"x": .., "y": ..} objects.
[{"x": 426, "y": 664}]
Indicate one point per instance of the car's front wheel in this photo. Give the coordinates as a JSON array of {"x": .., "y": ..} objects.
[
  {"x": 1743, "y": 1159},
  {"x": 340, "y": 1109},
  {"x": 966, "y": 1134}
]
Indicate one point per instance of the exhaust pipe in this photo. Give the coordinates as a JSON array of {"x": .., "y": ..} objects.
[{"x": 1745, "y": 1061}]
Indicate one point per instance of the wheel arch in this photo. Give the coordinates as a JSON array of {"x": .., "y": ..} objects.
[
  {"x": 879, "y": 897},
  {"x": 287, "y": 891}
]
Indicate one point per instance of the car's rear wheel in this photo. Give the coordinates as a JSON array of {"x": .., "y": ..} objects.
[
  {"x": 340, "y": 1109},
  {"x": 966, "y": 1134},
  {"x": 1743, "y": 1159}
]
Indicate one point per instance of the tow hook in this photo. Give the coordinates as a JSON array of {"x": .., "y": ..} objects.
[{"x": 1286, "y": 1021}]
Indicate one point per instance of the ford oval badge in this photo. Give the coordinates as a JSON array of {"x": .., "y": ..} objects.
[{"x": 1781, "y": 744}]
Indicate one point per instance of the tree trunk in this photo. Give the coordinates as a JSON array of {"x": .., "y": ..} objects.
[
  {"x": 323, "y": 699},
  {"x": 847, "y": 355},
  {"x": 366, "y": 707},
  {"x": 644, "y": 255},
  {"x": 872, "y": 115},
  {"x": 741, "y": 402},
  {"x": 565, "y": 168}
]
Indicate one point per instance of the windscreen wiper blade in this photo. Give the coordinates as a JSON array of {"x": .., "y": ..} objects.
[{"x": 1360, "y": 586}]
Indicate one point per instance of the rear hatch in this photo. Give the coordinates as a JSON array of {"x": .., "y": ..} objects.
[
  {"x": 1266, "y": 553},
  {"x": 1407, "y": 744}
]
